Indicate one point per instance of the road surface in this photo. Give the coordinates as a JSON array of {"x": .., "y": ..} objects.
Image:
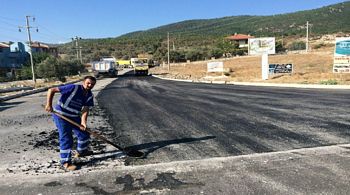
[{"x": 198, "y": 139}]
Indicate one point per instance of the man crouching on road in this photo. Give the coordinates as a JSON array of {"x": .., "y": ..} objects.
[{"x": 74, "y": 103}]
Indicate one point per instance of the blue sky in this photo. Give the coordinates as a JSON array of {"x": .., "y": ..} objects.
[{"x": 60, "y": 20}]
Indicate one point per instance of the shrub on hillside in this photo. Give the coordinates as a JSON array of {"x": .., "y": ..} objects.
[
  {"x": 319, "y": 46},
  {"x": 329, "y": 82},
  {"x": 297, "y": 45}
]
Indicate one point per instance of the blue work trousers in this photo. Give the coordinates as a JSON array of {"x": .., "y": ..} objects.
[{"x": 66, "y": 138}]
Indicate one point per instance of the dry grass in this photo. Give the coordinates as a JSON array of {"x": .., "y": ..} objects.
[{"x": 314, "y": 67}]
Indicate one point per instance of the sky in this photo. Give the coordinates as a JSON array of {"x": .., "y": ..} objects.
[{"x": 58, "y": 21}]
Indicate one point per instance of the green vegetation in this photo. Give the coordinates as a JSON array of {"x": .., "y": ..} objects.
[
  {"x": 329, "y": 82},
  {"x": 297, "y": 45},
  {"x": 203, "y": 39},
  {"x": 49, "y": 67}
]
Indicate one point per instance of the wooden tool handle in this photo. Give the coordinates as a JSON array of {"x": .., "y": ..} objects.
[{"x": 95, "y": 134}]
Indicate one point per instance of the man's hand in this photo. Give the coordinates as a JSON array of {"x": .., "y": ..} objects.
[
  {"x": 83, "y": 127},
  {"x": 48, "y": 108}
]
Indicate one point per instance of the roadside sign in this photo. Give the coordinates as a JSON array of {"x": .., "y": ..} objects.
[
  {"x": 259, "y": 46},
  {"x": 280, "y": 68},
  {"x": 215, "y": 67},
  {"x": 342, "y": 55}
]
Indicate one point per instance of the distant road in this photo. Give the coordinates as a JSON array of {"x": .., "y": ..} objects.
[{"x": 172, "y": 120}]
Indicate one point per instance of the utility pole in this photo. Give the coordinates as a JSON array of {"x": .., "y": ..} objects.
[
  {"x": 307, "y": 36},
  {"x": 282, "y": 40},
  {"x": 28, "y": 27},
  {"x": 78, "y": 49},
  {"x": 168, "y": 53}
]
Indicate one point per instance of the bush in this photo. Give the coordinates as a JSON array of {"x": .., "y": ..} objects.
[
  {"x": 279, "y": 47},
  {"x": 48, "y": 68},
  {"x": 298, "y": 45},
  {"x": 55, "y": 68},
  {"x": 216, "y": 52},
  {"x": 24, "y": 73},
  {"x": 194, "y": 55},
  {"x": 319, "y": 46},
  {"x": 329, "y": 82}
]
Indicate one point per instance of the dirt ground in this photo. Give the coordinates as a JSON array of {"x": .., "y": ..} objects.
[{"x": 313, "y": 67}]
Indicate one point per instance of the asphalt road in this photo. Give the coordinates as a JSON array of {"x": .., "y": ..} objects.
[
  {"x": 174, "y": 121},
  {"x": 198, "y": 139}
]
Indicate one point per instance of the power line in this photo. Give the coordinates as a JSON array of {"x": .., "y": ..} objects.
[
  {"x": 13, "y": 38},
  {"x": 7, "y": 18},
  {"x": 53, "y": 33},
  {"x": 9, "y": 29},
  {"x": 4, "y": 21},
  {"x": 50, "y": 35}
]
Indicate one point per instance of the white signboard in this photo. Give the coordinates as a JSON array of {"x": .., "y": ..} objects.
[
  {"x": 215, "y": 67},
  {"x": 259, "y": 46},
  {"x": 342, "y": 55}
]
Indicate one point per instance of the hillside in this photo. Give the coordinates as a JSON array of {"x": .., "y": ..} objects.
[
  {"x": 200, "y": 38},
  {"x": 325, "y": 20}
]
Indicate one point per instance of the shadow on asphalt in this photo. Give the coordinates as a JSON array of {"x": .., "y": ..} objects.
[
  {"x": 98, "y": 157},
  {"x": 7, "y": 105},
  {"x": 152, "y": 146}
]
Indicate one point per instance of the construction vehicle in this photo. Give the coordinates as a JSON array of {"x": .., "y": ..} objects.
[
  {"x": 105, "y": 67},
  {"x": 140, "y": 66},
  {"x": 124, "y": 63}
]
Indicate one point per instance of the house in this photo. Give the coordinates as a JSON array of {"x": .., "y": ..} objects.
[
  {"x": 41, "y": 47},
  {"x": 240, "y": 39},
  {"x": 4, "y": 53},
  {"x": 12, "y": 57}
]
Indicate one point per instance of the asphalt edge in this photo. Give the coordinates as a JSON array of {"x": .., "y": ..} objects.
[
  {"x": 33, "y": 91},
  {"x": 288, "y": 85}
]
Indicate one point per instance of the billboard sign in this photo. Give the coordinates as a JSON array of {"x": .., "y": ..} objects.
[
  {"x": 259, "y": 46},
  {"x": 215, "y": 67},
  {"x": 280, "y": 68},
  {"x": 342, "y": 55}
]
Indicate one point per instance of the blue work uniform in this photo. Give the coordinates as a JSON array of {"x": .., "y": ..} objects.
[{"x": 70, "y": 105}]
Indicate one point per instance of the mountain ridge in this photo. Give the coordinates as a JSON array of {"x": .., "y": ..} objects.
[{"x": 203, "y": 35}]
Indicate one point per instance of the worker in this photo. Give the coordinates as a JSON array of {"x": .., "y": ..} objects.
[{"x": 73, "y": 103}]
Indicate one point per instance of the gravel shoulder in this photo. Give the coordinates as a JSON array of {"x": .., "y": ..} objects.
[{"x": 29, "y": 139}]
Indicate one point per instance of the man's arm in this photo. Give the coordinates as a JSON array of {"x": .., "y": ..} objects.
[
  {"x": 50, "y": 94},
  {"x": 84, "y": 115}
]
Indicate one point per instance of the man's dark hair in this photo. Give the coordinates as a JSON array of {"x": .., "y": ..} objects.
[{"x": 91, "y": 78}]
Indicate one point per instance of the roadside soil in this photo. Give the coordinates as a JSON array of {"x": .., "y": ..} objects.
[
  {"x": 314, "y": 67},
  {"x": 29, "y": 144}
]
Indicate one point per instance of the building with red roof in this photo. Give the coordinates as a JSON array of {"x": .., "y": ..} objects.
[
  {"x": 41, "y": 47},
  {"x": 240, "y": 39}
]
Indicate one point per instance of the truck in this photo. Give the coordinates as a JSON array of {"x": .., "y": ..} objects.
[
  {"x": 140, "y": 66},
  {"x": 124, "y": 63},
  {"x": 105, "y": 67}
]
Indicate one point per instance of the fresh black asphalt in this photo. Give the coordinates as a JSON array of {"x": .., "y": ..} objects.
[{"x": 174, "y": 121}]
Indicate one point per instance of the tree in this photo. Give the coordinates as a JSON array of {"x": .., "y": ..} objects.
[
  {"x": 297, "y": 45},
  {"x": 226, "y": 47},
  {"x": 279, "y": 47},
  {"x": 49, "y": 68},
  {"x": 216, "y": 52},
  {"x": 194, "y": 55},
  {"x": 177, "y": 56},
  {"x": 53, "y": 68}
]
